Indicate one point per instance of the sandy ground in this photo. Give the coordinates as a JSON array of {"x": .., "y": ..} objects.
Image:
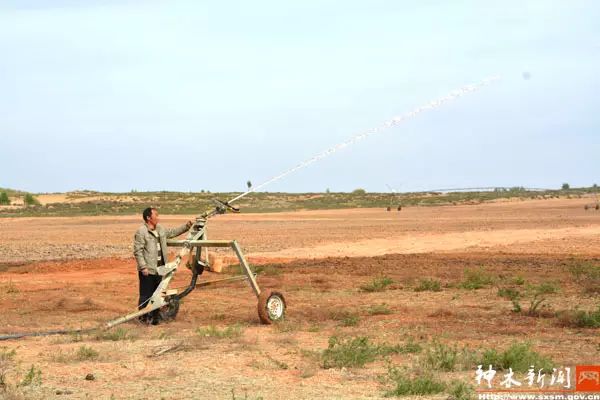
[{"x": 78, "y": 272}]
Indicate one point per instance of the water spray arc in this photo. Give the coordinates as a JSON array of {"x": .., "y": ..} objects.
[{"x": 373, "y": 131}]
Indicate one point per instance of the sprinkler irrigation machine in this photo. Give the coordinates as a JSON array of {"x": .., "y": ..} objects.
[{"x": 271, "y": 304}]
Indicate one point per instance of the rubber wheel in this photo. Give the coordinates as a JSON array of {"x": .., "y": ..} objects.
[
  {"x": 169, "y": 311},
  {"x": 271, "y": 306}
]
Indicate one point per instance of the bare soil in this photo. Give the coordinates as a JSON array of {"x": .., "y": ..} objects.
[{"x": 78, "y": 272}]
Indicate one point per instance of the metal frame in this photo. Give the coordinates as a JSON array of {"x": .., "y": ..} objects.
[{"x": 196, "y": 239}]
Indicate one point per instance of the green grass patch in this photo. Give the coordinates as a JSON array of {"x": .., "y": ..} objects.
[
  {"x": 349, "y": 352},
  {"x": 409, "y": 347},
  {"x": 519, "y": 356},
  {"x": 379, "y": 309},
  {"x": 405, "y": 385},
  {"x": 358, "y": 351},
  {"x": 378, "y": 284},
  {"x": 476, "y": 279},
  {"x": 212, "y": 331},
  {"x": 442, "y": 357},
  {"x": 461, "y": 391},
  {"x": 429, "y": 285},
  {"x": 32, "y": 378},
  {"x": 86, "y": 353},
  {"x": 580, "y": 318},
  {"x": 587, "y": 274}
]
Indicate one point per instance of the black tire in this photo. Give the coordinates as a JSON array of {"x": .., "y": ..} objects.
[
  {"x": 271, "y": 306},
  {"x": 169, "y": 311}
]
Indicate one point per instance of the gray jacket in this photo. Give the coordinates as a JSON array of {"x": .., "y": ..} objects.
[{"x": 145, "y": 249}]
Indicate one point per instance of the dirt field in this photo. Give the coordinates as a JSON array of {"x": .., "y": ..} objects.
[{"x": 78, "y": 272}]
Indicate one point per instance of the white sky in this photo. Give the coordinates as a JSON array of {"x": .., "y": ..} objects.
[{"x": 187, "y": 95}]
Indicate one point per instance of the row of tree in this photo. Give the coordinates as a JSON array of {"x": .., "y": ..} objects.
[{"x": 28, "y": 199}]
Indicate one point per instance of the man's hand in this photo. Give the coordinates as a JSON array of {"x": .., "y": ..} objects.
[
  {"x": 145, "y": 272},
  {"x": 188, "y": 225}
]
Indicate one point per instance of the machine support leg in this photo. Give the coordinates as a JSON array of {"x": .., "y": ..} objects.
[{"x": 245, "y": 267}]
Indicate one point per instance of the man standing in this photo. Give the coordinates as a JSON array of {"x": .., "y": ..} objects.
[{"x": 150, "y": 251}]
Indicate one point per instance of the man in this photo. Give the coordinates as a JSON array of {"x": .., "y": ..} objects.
[{"x": 150, "y": 251}]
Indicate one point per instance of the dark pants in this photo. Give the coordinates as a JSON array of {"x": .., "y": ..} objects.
[{"x": 148, "y": 285}]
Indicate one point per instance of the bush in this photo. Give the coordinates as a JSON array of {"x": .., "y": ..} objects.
[
  {"x": 408, "y": 347},
  {"x": 519, "y": 356},
  {"x": 418, "y": 385},
  {"x": 4, "y": 200},
  {"x": 351, "y": 320},
  {"x": 351, "y": 352},
  {"x": 431, "y": 285},
  {"x": 513, "y": 295},
  {"x": 539, "y": 296},
  {"x": 377, "y": 284},
  {"x": 379, "y": 309},
  {"x": 359, "y": 191},
  {"x": 30, "y": 200},
  {"x": 86, "y": 353},
  {"x": 441, "y": 357},
  {"x": 33, "y": 377},
  {"x": 476, "y": 279},
  {"x": 6, "y": 363},
  {"x": 587, "y": 274},
  {"x": 580, "y": 319},
  {"x": 461, "y": 391}
]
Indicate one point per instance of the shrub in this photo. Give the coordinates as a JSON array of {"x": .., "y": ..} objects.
[
  {"x": 350, "y": 352},
  {"x": 431, "y": 285},
  {"x": 587, "y": 274},
  {"x": 408, "y": 347},
  {"x": 30, "y": 200},
  {"x": 379, "y": 309},
  {"x": 378, "y": 284},
  {"x": 359, "y": 191},
  {"x": 580, "y": 319},
  {"x": 33, "y": 377},
  {"x": 4, "y": 200},
  {"x": 539, "y": 293},
  {"x": 6, "y": 363},
  {"x": 519, "y": 356},
  {"x": 476, "y": 279},
  {"x": 350, "y": 320},
  {"x": 441, "y": 357},
  {"x": 86, "y": 353},
  {"x": 418, "y": 385},
  {"x": 512, "y": 295},
  {"x": 461, "y": 391}
]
